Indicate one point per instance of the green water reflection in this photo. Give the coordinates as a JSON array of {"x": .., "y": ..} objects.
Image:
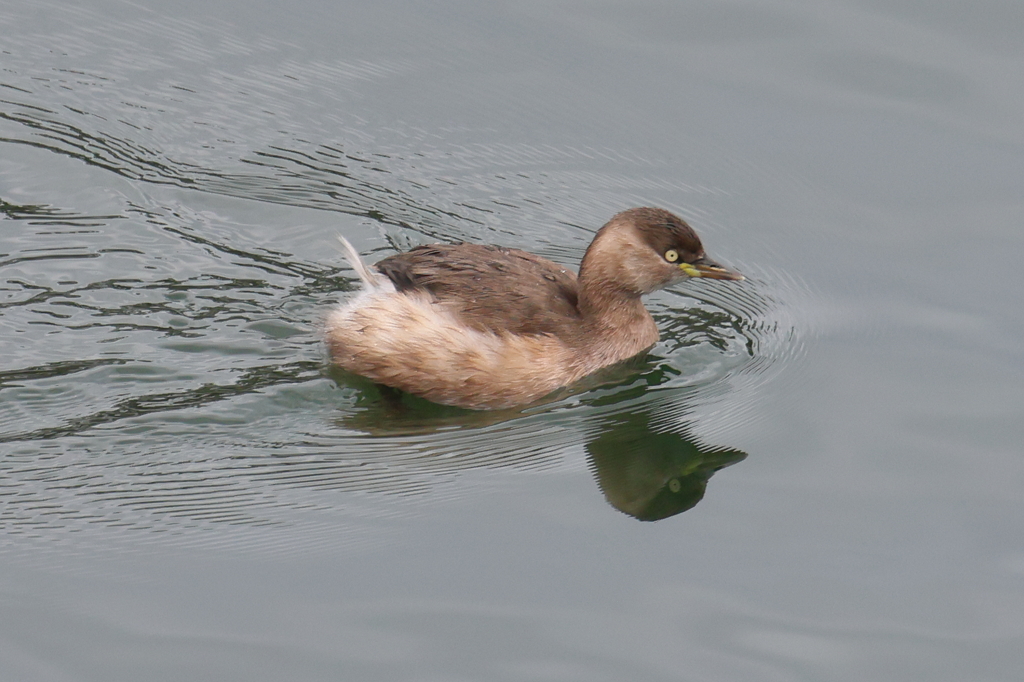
[
  {"x": 651, "y": 475},
  {"x": 648, "y": 472}
]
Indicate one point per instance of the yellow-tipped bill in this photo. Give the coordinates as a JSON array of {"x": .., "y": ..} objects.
[{"x": 709, "y": 270}]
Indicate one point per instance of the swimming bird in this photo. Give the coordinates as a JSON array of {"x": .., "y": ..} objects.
[{"x": 488, "y": 327}]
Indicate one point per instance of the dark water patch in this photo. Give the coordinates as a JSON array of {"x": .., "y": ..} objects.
[
  {"x": 15, "y": 377},
  {"x": 53, "y": 216},
  {"x": 249, "y": 381}
]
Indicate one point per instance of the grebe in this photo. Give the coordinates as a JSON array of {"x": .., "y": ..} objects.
[{"x": 488, "y": 327}]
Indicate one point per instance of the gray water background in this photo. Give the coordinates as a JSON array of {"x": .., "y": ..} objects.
[{"x": 188, "y": 491}]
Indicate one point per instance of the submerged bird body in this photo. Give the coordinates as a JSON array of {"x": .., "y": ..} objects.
[{"x": 487, "y": 327}]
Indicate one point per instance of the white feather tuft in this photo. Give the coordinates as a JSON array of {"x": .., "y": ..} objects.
[{"x": 373, "y": 281}]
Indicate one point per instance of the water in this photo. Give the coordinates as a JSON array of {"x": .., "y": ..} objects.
[{"x": 814, "y": 476}]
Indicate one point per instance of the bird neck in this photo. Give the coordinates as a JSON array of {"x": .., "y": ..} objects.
[{"x": 616, "y": 325}]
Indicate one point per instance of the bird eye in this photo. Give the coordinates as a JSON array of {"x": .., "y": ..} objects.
[{"x": 671, "y": 255}]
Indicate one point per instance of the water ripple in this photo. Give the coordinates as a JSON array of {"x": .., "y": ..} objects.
[{"x": 164, "y": 377}]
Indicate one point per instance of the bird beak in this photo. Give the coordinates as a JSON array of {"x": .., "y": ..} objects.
[{"x": 709, "y": 269}]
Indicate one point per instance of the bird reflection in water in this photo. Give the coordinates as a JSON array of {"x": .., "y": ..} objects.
[
  {"x": 651, "y": 475},
  {"x": 647, "y": 473}
]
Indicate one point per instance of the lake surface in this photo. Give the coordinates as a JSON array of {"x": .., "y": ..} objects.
[{"x": 815, "y": 475}]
